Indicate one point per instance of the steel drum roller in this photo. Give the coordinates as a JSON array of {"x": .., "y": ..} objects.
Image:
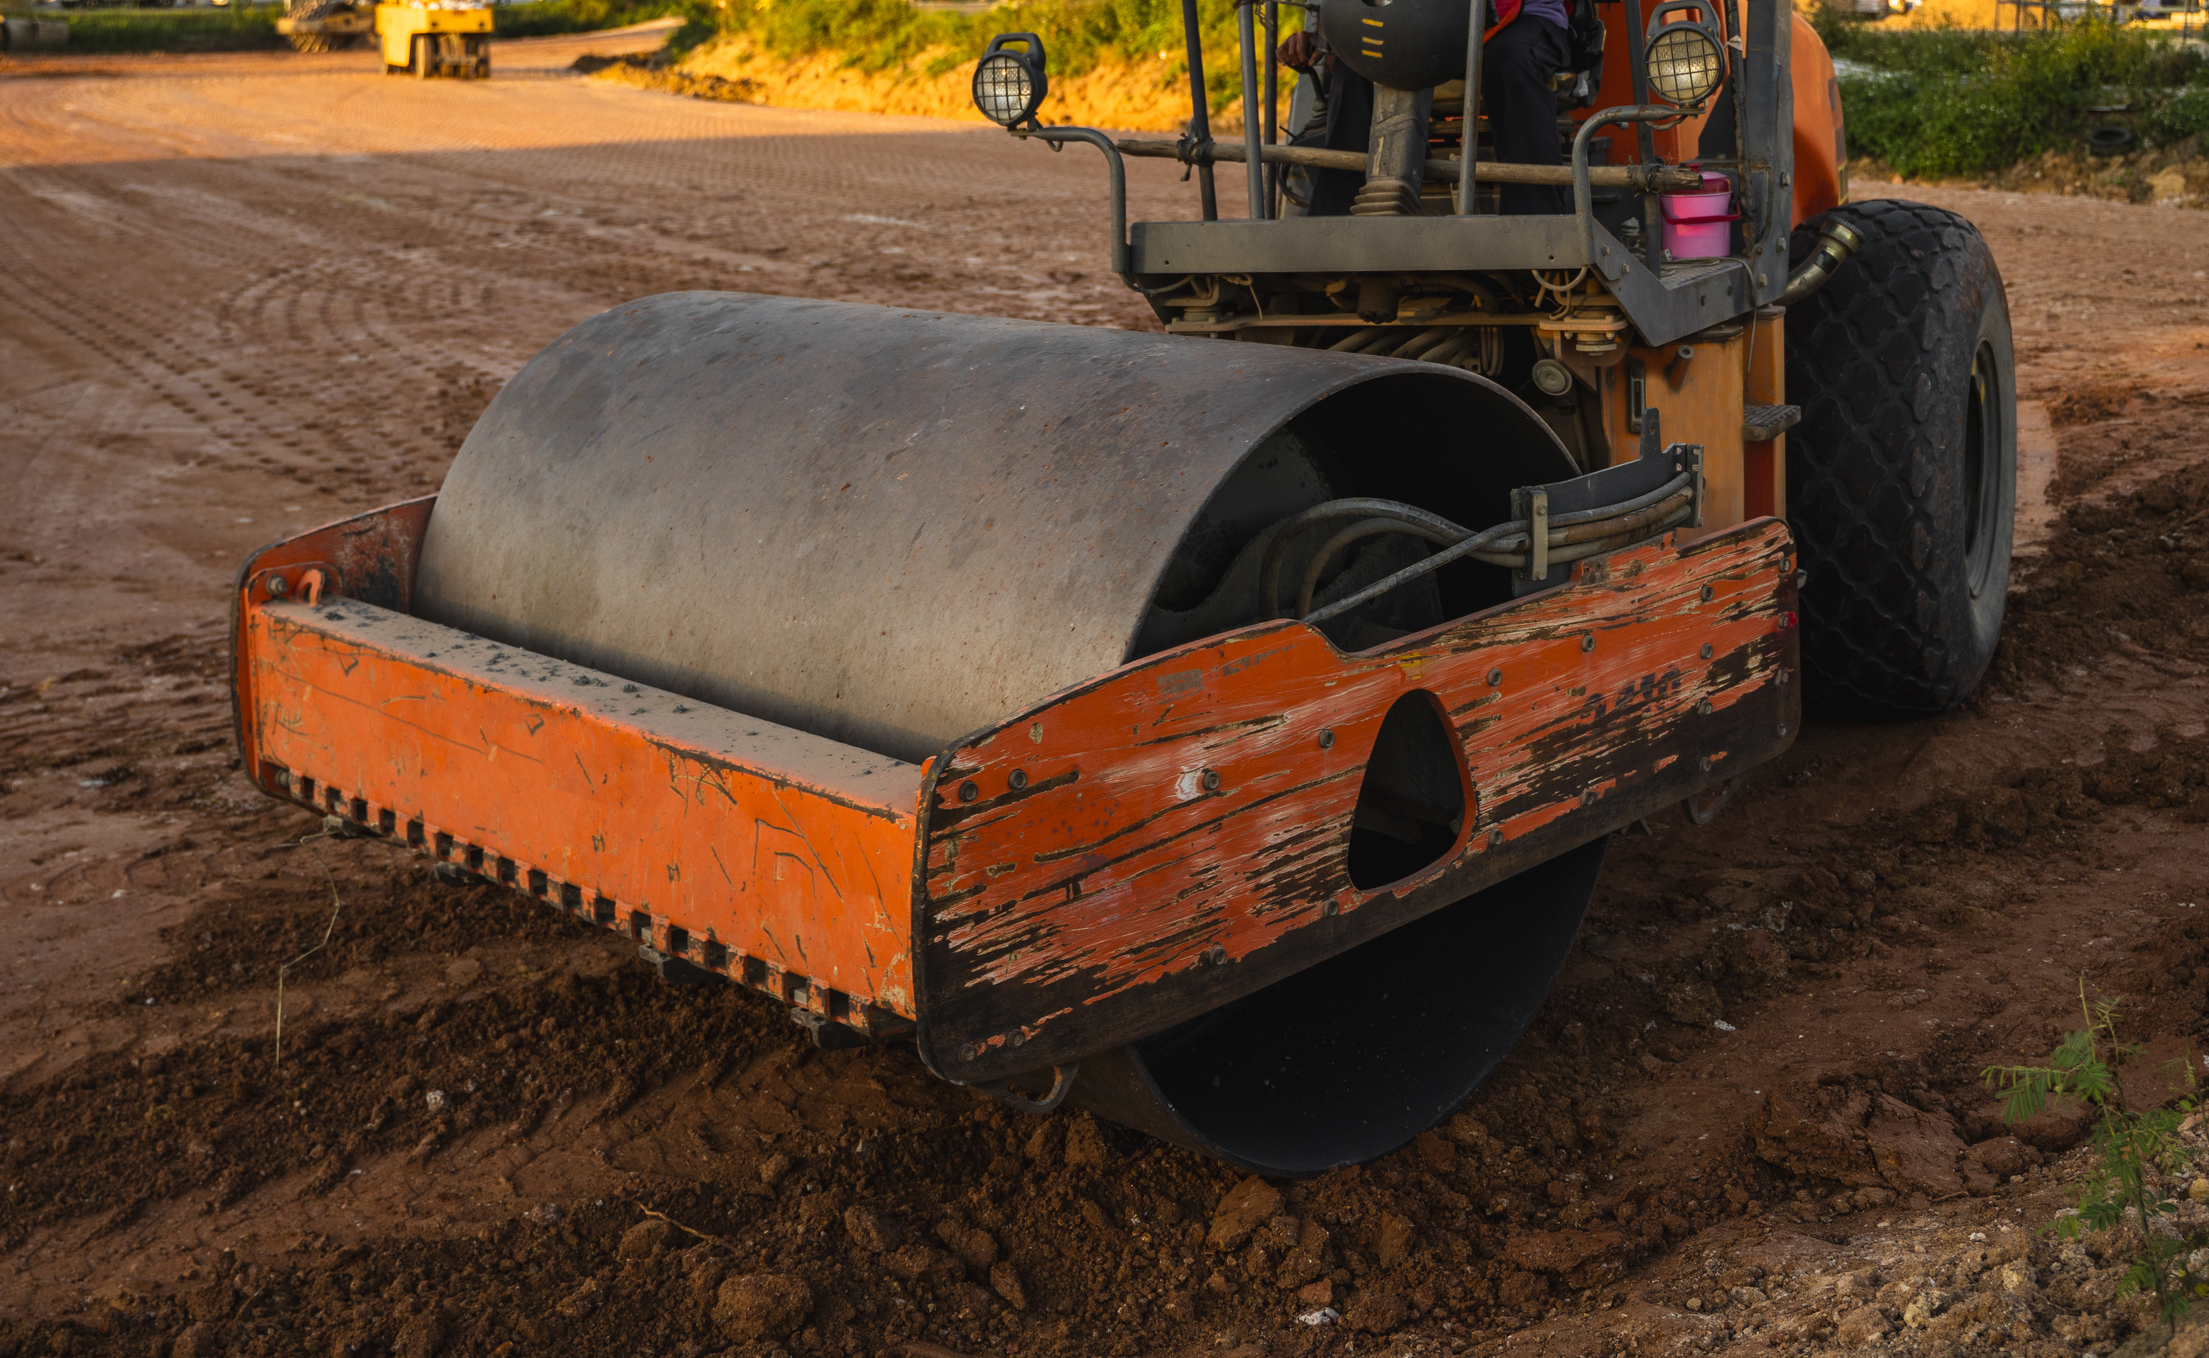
[{"x": 892, "y": 528}]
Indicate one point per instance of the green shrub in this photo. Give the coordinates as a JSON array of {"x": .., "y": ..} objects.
[
  {"x": 173, "y": 30},
  {"x": 1077, "y": 35},
  {"x": 548, "y": 18},
  {"x": 2133, "y": 1148},
  {"x": 1955, "y": 102},
  {"x": 2181, "y": 116}
]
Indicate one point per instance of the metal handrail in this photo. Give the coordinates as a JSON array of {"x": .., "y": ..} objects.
[
  {"x": 1200, "y": 113},
  {"x": 1468, "y": 140},
  {"x": 1058, "y": 136},
  {"x": 1246, "y": 14},
  {"x": 1583, "y": 195}
]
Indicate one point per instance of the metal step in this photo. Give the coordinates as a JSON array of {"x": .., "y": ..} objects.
[{"x": 1760, "y": 424}]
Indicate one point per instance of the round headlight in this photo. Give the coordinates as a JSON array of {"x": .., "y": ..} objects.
[
  {"x": 1686, "y": 64},
  {"x": 1009, "y": 85}
]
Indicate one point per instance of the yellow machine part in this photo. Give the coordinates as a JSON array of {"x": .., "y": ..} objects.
[{"x": 397, "y": 26}]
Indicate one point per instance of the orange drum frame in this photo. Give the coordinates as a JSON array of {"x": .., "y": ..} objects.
[{"x": 1128, "y": 853}]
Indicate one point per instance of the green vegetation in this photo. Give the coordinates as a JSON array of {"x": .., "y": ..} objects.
[
  {"x": 238, "y": 27},
  {"x": 874, "y": 35},
  {"x": 1955, "y": 102},
  {"x": 2134, "y": 1149},
  {"x": 549, "y": 18},
  {"x": 871, "y": 35},
  {"x": 233, "y": 28}
]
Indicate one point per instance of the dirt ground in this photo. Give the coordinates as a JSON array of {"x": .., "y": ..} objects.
[{"x": 240, "y": 295}]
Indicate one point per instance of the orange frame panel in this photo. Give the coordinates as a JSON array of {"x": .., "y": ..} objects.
[
  {"x": 1176, "y": 835},
  {"x": 1173, "y": 835}
]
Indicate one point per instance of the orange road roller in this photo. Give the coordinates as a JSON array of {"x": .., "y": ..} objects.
[{"x": 1219, "y": 729}]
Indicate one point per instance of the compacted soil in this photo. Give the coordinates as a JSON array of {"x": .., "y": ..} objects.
[{"x": 240, "y": 295}]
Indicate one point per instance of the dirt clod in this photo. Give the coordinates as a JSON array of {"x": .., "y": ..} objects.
[
  {"x": 761, "y": 1306},
  {"x": 423, "y": 1336},
  {"x": 643, "y": 1240},
  {"x": 1245, "y": 1207},
  {"x": 872, "y": 1231},
  {"x": 1006, "y": 1279}
]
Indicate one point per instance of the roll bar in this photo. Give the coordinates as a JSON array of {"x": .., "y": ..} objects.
[{"x": 1757, "y": 86}]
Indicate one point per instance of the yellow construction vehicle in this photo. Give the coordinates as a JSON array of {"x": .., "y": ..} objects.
[
  {"x": 427, "y": 39},
  {"x": 432, "y": 40},
  {"x": 324, "y": 25}
]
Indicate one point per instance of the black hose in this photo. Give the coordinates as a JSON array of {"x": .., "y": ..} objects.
[
  {"x": 1286, "y": 530},
  {"x": 1412, "y": 572},
  {"x": 1423, "y": 342},
  {"x": 1451, "y": 349},
  {"x": 1613, "y": 536},
  {"x": 1601, "y": 529},
  {"x": 1357, "y": 532},
  {"x": 1358, "y": 341}
]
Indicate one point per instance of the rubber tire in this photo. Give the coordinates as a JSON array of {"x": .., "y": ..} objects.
[
  {"x": 319, "y": 42},
  {"x": 1902, "y": 475}
]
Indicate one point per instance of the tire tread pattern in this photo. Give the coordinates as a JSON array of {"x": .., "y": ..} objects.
[{"x": 1866, "y": 482}]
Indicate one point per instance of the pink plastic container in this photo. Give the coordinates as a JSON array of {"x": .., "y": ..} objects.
[{"x": 1699, "y": 225}]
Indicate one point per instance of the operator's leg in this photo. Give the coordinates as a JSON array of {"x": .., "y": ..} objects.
[
  {"x": 1349, "y": 128},
  {"x": 1522, "y": 109}
]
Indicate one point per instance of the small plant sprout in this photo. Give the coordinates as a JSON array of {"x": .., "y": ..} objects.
[{"x": 2134, "y": 1150}]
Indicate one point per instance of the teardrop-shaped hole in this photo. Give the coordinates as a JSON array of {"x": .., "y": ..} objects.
[{"x": 1411, "y": 807}]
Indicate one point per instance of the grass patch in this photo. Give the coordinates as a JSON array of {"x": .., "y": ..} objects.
[
  {"x": 235, "y": 28},
  {"x": 551, "y": 18},
  {"x": 1956, "y": 103},
  {"x": 1078, "y": 35},
  {"x": 2139, "y": 1159}
]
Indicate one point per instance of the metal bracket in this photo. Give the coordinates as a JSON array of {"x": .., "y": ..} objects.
[
  {"x": 1540, "y": 507},
  {"x": 1700, "y": 812},
  {"x": 1537, "y": 510},
  {"x": 675, "y": 970},
  {"x": 1062, "y": 1084},
  {"x": 1688, "y": 457},
  {"x": 285, "y": 583}
]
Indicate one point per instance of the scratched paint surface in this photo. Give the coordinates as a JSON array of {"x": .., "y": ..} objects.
[
  {"x": 772, "y": 844},
  {"x": 1096, "y": 848}
]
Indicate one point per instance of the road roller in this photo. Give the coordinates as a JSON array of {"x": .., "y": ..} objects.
[
  {"x": 1218, "y": 727},
  {"x": 426, "y": 40},
  {"x": 325, "y": 25},
  {"x": 435, "y": 37}
]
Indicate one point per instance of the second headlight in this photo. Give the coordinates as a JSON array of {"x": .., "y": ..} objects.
[
  {"x": 1685, "y": 60},
  {"x": 1010, "y": 83}
]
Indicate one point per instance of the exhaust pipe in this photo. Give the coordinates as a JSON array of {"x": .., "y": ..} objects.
[{"x": 1836, "y": 242}]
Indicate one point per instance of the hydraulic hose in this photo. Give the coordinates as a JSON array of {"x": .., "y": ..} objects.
[
  {"x": 1358, "y": 532},
  {"x": 1287, "y": 529},
  {"x": 1582, "y": 533},
  {"x": 1836, "y": 242}
]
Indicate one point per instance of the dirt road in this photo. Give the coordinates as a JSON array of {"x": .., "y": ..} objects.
[{"x": 240, "y": 295}]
